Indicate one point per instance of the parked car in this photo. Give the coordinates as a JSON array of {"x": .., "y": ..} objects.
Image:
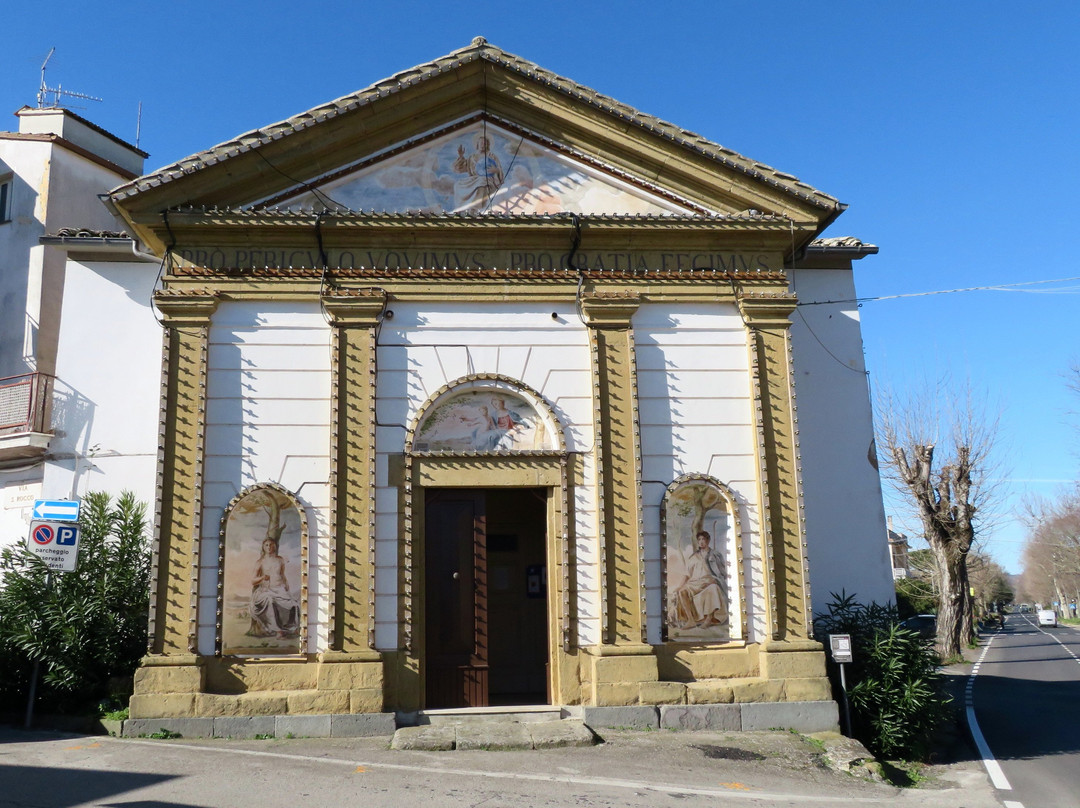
[
  {"x": 1048, "y": 617},
  {"x": 925, "y": 625}
]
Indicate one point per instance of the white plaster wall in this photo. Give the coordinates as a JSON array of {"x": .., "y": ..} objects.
[
  {"x": 845, "y": 519},
  {"x": 426, "y": 346},
  {"x": 696, "y": 416},
  {"x": 20, "y": 254},
  {"x": 52, "y": 188},
  {"x": 19, "y": 488},
  {"x": 105, "y": 398},
  {"x": 268, "y": 420}
]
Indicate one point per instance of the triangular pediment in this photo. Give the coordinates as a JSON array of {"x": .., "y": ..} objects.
[
  {"x": 409, "y": 143},
  {"x": 483, "y": 168}
]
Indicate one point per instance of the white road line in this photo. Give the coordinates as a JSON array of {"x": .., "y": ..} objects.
[
  {"x": 607, "y": 782},
  {"x": 1010, "y": 804},
  {"x": 993, "y": 768},
  {"x": 1068, "y": 650}
]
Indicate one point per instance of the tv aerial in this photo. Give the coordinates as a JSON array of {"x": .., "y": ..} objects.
[{"x": 57, "y": 92}]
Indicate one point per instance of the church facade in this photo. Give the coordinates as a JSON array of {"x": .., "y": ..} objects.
[{"x": 479, "y": 388}]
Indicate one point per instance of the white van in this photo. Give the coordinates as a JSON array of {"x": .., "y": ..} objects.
[{"x": 1048, "y": 617}]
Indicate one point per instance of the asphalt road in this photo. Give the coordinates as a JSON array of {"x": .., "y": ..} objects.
[
  {"x": 1026, "y": 696},
  {"x": 48, "y": 770}
]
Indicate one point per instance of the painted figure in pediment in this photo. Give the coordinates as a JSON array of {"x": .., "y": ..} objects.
[{"x": 483, "y": 175}]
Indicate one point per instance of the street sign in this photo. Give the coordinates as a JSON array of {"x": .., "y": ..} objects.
[
  {"x": 55, "y": 543},
  {"x": 56, "y": 510},
  {"x": 840, "y": 645}
]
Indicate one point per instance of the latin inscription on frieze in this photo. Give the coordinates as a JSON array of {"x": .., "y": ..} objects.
[{"x": 404, "y": 259}]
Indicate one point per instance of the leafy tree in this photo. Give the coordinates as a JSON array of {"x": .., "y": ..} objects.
[
  {"x": 85, "y": 628},
  {"x": 990, "y": 582},
  {"x": 918, "y": 592}
]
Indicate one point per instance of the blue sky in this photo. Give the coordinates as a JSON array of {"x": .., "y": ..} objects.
[{"x": 948, "y": 127}]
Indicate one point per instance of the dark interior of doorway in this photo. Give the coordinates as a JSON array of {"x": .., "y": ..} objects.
[
  {"x": 517, "y": 595},
  {"x": 486, "y": 597}
]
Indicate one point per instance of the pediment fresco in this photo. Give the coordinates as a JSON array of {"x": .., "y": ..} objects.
[{"x": 483, "y": 168}]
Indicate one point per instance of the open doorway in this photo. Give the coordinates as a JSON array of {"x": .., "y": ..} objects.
[{"x": 485, "y": 597}]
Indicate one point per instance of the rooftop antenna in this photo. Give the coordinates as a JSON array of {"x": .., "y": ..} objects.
[{"x": 57, "y": 92}]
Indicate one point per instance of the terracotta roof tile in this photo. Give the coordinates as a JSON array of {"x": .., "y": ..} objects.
[{"x": 479, "y": 49}]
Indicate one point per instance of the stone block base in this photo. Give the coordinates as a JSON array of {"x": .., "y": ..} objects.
[
  {"x": 638, "y": 717},
  {"x": 801, "y": 716},
  {"x": 280, "y": 726},
  {"x": 719, "y": 717},
  {"x": 812, "y": 716}
]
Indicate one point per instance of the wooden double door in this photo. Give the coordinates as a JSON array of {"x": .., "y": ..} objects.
[{"x": 485, "y": 597}]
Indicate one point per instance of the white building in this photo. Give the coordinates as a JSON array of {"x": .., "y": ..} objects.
[{"x": 52, "y": 173}]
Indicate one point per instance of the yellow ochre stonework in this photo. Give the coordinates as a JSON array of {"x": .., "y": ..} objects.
[{"x": 731, "y": 251}]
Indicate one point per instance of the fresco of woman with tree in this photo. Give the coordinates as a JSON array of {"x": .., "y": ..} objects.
[
  {"x": 699, "y": 528},
  {"x": 261, "y": 594}
]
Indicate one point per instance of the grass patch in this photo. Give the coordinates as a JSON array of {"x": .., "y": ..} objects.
[
  {"x": 163, "y": 735},
  {"x": 901, "y": 774}
]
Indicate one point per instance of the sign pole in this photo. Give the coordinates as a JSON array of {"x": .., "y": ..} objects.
[
  {"x": 847, "y": 709},
  {"x": 37, "y": 668},
  {"x": 841, "y": 649}
]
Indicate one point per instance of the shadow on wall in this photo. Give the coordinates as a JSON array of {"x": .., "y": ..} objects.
[{"x": 72, "y": 420}]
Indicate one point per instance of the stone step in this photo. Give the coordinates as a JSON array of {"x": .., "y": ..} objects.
[
  {"x": 494, "y": 735},
  {"x": 528, "y": 714}
]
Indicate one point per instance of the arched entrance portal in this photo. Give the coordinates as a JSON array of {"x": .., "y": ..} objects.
[
  {"x": 486, "y": 596},
  {"x": 486, "y": 544}
]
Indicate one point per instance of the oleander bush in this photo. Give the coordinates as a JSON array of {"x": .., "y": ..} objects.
[
  {"x": 87, "y": 628},
  {"x": 894, "y": 682}
]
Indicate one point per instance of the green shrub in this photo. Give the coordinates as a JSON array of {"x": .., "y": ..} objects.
[
  {"x": 86, "y": 628},
  {"x": 895, "y": 687},
  {"x": 915, "y": 596},
  {"x": 900, "y": 695}
]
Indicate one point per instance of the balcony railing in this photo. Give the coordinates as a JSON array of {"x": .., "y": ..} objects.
[{"x": 24, "y": 403}]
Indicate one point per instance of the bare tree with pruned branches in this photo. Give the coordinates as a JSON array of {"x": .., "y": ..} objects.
[{"x": 938, "y": 450}]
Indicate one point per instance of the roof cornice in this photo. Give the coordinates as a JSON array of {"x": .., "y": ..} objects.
[{"x": 482, "y": 51}]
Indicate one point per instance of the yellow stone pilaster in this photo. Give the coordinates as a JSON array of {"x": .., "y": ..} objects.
[
  {"x": 175, "y": 561},
  {"x": 767, "y": 318},
  {"x": 354, "y": 316},
  {"x": 618, "y": 457}
]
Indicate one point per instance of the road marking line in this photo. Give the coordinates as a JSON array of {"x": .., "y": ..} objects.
[
  {"x": 1010, "y": 804},
  {"x": 666, "y": 788},
  {"x": 1068, "y": 650},
  {"x": 993, "y": 768}
]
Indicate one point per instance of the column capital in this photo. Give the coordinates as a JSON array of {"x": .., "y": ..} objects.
[
  {"x": 355, "y": 308},
  {"x": 609, "y": 309},
  {"x": 767, "y": 309},
  {"x": 186, "y": 307}
]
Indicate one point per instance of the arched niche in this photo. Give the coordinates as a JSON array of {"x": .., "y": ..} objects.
[
  {"x": 263, "y": 574},
  {"x": 701, "y": 556},
  {"x": 517, "y": 442}
]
